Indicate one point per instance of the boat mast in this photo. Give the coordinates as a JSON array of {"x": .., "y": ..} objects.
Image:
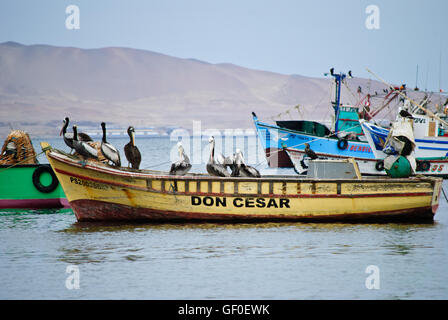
[{"x": 336, "y": 104}]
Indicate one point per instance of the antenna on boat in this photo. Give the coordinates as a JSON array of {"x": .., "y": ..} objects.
[
  {"x": 336, "y": 104},
  {"x": 406, "y": 97},
  {"x": 416, "y": 80}
]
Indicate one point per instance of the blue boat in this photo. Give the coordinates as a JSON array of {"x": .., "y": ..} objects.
[{"x": 288, "y": 138}]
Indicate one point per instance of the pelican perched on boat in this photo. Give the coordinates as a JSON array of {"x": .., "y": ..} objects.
[
  {"x": 131, "y": 151},
  {"x": 242, "y": 169},
  {"x": 183, "y": 165},
  {"x": 214, "y": 168},
  {"x": 68, "y": 136},
  {"x": 82, "y": 147},
  {"x": 109, "y": 151}
]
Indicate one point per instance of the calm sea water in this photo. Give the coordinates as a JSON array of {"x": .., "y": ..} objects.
[{"x": 217, "y": 261}]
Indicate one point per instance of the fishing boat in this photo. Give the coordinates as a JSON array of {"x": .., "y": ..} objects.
[
  {"x": 24, "y": 183},
  {"x": 345, "y": 141},
  {"x": 99, "y": 192},
  {"x": 284, "y": 143},
  {"x": 435, "y": 162},
  {"x": 30, "y": 186},
  {"x": 430, "y": 154}
]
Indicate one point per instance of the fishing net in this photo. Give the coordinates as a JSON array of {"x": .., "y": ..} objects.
[{"x": 18, "y": 148}]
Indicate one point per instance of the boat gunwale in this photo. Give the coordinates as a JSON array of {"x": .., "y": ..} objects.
[
  {"x": 332, "y": 137},
  {"x": 29, "y": 165},
  {"x": 149, "y": 174},
  {"x": 436, "y": 159}
]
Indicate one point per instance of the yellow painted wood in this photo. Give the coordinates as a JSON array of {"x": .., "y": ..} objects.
[{"x": 291, "y": 197}]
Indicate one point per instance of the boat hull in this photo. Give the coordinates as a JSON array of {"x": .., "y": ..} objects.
[
  {"x": 275, "y": 139},
  {"x": 91, "y": 210},
  {"x": 19, "y": 191},
  {"x": 425, "y": 147},
  {"x": 428, "y": 166},
  {"x": 101, "y": 193}
]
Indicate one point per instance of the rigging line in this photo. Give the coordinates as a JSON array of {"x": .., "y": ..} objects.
[
  {"x": 24, "y": 160},
  {"x": 157, "y": 165}
]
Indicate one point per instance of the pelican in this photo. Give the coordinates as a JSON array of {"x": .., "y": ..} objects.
[
  {"x": 213, "y": 168},
  {"x": 82, "y": 147},
  {"x": 183, "y": 165},
  {"x": 225, "y": 161},
  {"x": 68, "y": 136},
  {"x": 131, "y": 151},
  {"x": 109, "y": 151},
  {"x": 242, "y": 169}
]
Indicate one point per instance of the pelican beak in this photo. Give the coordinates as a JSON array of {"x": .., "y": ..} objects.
[
  {"x": 133, "y": 138},
  {"x": 62, "y": 129}
]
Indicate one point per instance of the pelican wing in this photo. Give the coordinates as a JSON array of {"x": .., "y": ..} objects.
[
  {"x": 217, "y": 170},
  {"x": 220, "y": 159},
  {"x": 111, "y": 153},
  {"x": 248, "y": 171}
]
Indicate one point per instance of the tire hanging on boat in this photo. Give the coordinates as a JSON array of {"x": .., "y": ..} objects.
[
  {"x": 379, "y": 166},
  {"x": 423, "y": 165},
  {"x": 36, "y": 179},
  {"x": 342, "y": 144}
]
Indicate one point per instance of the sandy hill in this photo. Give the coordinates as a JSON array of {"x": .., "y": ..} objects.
[{"x": 41, "y": 84}]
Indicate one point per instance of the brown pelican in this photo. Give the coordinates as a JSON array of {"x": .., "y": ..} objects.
[
  {"x": 213, "y": 168},
  {"x": 68, "y": 136},
  {"x": 242, "y": 169},
  {"x": 82, "y": 147},
  {"x": 183, "y": 165},
  {"x": 109, "y": 151},
  {"x": 131, "y": 151}
]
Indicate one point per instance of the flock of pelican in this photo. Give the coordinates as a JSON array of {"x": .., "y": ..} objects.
[
  {"x": 217, "y": 165},
  {"x": 79, "y": 142}
]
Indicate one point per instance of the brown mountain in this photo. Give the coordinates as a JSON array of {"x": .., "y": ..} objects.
[{"x": 41, "y": 84}]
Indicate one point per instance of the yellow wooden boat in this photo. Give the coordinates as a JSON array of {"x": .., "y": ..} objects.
[{"x": 99, "y": 192}]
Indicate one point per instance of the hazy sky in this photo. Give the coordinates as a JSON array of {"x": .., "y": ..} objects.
[{"x": 290, "y": 37}]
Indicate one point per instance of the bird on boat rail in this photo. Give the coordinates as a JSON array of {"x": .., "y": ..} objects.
[
  {"x": 68, "y": 136},
  {"x": 214, "y": 168},
  {"x": 131, "y": 151},
  {"x": 82, "y": 147},
  {"x": 183, "y": 165},
  {"x": 309, "y": 152},
  {"x": 242, "y": 169},
  {"x": 109, "y": 151}
]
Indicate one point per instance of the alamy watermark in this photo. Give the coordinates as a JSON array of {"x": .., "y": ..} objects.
[
  {"x": 373, "y": 280},
  {"x": 373, "y": 19},
  {"x": 72, "y": 22},
  {"x": 226, "y": 142},
  {"x": 73, "y": 279}
]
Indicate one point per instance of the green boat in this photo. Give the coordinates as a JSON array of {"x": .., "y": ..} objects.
[
  {"x": 32, "y": 186},
  {"x": 24, "y": 183}
]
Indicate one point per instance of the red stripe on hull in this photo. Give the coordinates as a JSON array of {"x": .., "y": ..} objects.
[
  {"x": 92, "y": 210},
  {"x": 32, "y": 203}
]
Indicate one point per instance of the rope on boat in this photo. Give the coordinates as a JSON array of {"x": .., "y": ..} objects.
[
  {"x": 443, "y": 191},
  {"x": 158, "y": 165}
]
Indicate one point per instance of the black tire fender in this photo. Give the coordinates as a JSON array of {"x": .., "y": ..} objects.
[
  {"x": 36, "y": 179},
  {"x": 342, "y": 144},
  {"x": 379, "y": 166},
  {"x": 423, "y": 165}
]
